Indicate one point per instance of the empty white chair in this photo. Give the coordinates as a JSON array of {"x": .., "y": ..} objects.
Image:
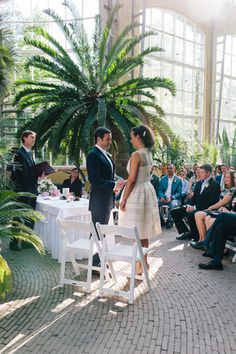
[
  {"x": 86, "y": 245},
  {"x": 121, "y": 251}
]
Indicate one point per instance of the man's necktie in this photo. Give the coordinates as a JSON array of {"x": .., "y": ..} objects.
[{"x": 31, "y": 157}]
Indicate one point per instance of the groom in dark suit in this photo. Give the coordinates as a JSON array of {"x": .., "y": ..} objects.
[
  {"x": 206, "y": 193},
  {"x": 25, "y": 180},
  {"x": 100, "y": 168}
]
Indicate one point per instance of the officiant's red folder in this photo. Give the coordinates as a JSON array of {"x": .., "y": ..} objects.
[{"x": 41, "y": 167}]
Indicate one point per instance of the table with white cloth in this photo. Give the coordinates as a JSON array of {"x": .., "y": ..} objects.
[{"x": 54, "y": 210}]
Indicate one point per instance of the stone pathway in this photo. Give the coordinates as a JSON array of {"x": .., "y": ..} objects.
[{"x": 187, "y": 311}]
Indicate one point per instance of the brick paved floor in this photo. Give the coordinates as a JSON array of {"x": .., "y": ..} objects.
[{"x": 187, "y": 311}]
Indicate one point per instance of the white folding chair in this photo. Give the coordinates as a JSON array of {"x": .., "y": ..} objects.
[
  {"x": 123, "y": 252},
  {"x": 86, "y": 245}
]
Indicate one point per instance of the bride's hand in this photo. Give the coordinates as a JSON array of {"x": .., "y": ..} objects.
[{"x": 122, "y": 205}]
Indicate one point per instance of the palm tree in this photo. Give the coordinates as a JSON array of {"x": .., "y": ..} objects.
[
  {"x": 8, "y": 58},
  {"x": 90, "y": 90}
]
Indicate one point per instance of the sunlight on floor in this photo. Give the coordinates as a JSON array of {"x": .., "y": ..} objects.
[
  {"x": 9, "y": 307},
  {"x": 63, "y": 305},
  {"x": 177, "y": 248}
]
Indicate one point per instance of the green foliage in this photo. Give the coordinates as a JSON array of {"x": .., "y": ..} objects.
[
  {"x": 227, "y": 149},
  {"x": 204, "y": 153},
  {"x": 89, "y": 87},
  {"x": 8, "y": 58},
  {"x": 175, "y": 152},
  {"x": 5, "y": 278},
  {"x": 13, "y": 215}
]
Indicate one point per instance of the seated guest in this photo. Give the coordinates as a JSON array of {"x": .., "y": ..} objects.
[
  {"x": 182, "y": 174},
  {"x": 223, "y": 227},
  {"x": 220, "y": 178},
  {"x": 217, "y": 171},
  {"x": 74, "y": 183},
  {"x": 206, "y": 193},
  {"x": 169, "y": 192},
  {"x": 155, "y": 181},
  {"x": 193, "y": 181},
  {"x": 204, "y": 218}
]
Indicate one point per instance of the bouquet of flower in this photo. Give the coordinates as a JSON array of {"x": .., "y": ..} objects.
[{"x": 46, "y": 186}]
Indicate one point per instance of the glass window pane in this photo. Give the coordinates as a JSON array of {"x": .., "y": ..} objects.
[
  {"x": 177, "y": 125},
  {"x": 179, "y": 50},
  {"x": 90, "y": 8},
  {"x": 188, "y": 103},
  {"x": 58, "y": 8},
  {"x": 219, "y": 55},
  {"x": 227, "y": 64},
  {"x": 189, "y": 46},
  {"x": 179, "y": 26},
  {"x": 178, "y": 103},
  {"x": 168, "y": 23},
  {"x": 178, "y": 78},
  {"x": 234, "y": 46},
  {"x": 168, "y": 70},
  {"x": 199, "y": 56},
  {"x": 234, "y": 66},
  {"x": 167, "y": 100},
  {"x": 186, "y": 47},
  {"x": 189, "y": 32},
  {"x": 188, "y": 80},
  {"x": 168, "y": 44},
  {"x": 89, "y": 26},
  {"x": 228, "y": 46}
]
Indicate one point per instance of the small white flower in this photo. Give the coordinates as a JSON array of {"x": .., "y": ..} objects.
[{"x": 46, "y": 186}]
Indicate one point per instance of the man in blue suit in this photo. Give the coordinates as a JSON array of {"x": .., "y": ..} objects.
[
  {"x": 101, "y": 173},
  {"x": 169, "y": 193}
]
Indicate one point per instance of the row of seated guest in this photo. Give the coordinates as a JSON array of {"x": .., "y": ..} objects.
[
  {"x": 204, "y": 219},
  {"x": 74, "y": 183},
  {"x": 173, "y": 198},
  {"x": 220, "y": 221}
]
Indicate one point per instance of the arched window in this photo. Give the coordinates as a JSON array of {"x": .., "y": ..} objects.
[
  {"x": 183, "y": 62},
  {"x": 225, "y": 88}
]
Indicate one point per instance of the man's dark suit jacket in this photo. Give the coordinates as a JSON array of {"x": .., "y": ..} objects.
[
  {"x": 209, "y": 196},
  {"x": 25, "y": 179},
  {"x": 101, "y": 177}
]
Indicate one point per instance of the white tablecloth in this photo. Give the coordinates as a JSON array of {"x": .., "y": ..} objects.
[{"x": 54, "y": 210}]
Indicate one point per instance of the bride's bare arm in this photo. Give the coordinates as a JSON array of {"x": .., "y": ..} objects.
[{"x": 134, "y": 166}]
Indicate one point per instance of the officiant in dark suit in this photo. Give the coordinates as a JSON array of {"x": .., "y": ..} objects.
[
  {"x": 101, "y": 173},
  {"x": 206, "y": 193},
  {"x": 25, "y": 180}
]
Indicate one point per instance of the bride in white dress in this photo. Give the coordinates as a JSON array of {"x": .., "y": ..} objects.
[{"x": 139, "y": 206}]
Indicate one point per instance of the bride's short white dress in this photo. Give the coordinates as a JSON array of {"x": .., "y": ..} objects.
[{"x": 142, "y": 206}]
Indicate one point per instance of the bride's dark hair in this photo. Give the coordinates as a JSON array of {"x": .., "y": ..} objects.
[{"x": 145, "y": 134}]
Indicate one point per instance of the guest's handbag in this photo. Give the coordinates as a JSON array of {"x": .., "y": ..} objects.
[{"x": 42, "y": 167}]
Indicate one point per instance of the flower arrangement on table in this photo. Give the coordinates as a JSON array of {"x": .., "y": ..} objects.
[{"x": 46, "y": 187}]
